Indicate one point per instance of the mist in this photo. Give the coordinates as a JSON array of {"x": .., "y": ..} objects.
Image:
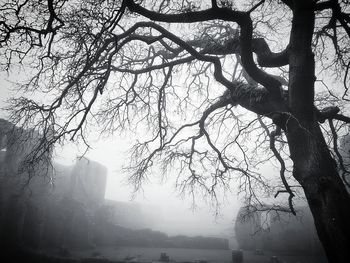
[
  {"x": 90, "y": 206},
  {"x": 84, "y": 206},
  {"x": 174, "y": 131},
  {"x": 172, "y": 212}
]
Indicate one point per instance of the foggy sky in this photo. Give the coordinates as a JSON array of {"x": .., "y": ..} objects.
[{"x": 176, "y": 213}]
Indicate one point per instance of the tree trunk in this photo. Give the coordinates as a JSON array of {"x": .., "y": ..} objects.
[
  {"x": 314, "y": 168},
  {"x": 326, "y": 194}
]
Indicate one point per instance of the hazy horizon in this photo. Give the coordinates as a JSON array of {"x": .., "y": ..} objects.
[{"x": 178, "y": 216}]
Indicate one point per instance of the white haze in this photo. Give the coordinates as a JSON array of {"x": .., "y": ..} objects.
[{"x": 175, "y": 214}]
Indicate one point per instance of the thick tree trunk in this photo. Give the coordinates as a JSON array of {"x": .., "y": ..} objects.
[
  {"x": 327, "y": 197},
  {"x": 314, "y": 167}
]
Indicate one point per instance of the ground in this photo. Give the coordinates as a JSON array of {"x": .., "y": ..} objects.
[{"x": 140, "y": 254}]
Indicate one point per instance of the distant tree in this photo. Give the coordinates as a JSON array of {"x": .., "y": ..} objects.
[{"x": 199, "y": 81}]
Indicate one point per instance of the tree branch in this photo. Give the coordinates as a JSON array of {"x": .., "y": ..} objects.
[
  {"x": 272, "y": 135},
  {"x": 344, "y": 172},
  {"x": 242, "y": 18}
]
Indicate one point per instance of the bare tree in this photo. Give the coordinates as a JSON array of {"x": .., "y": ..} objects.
[{"x": 198, "y": 79}]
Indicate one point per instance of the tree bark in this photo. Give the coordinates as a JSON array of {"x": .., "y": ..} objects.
[
  {"x": 314, "y": 168},
  {"x": 327, "y": 197}
]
